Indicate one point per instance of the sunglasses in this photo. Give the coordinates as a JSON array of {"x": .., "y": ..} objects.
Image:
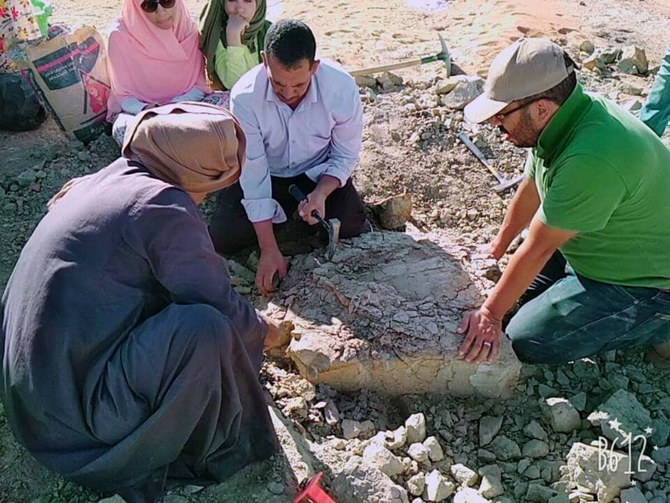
[
  {"x": 502, "y": 115},
  {"x": 152, "y": 5}
]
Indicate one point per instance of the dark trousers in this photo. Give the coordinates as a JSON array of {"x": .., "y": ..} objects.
[
  {"x": 566, "y": 316},
  {"x": 232, "y": 231}
]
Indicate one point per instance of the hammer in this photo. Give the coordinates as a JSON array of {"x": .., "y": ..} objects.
[
  {"x": 503, "y": 183},
  {"x": 331, "y": 226},
  {"x": 443, "y": 55}
]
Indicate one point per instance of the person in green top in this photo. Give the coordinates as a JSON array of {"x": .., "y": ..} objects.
[
  {"x": 233, "y": 35},
  {"x": 593, "y": 274}
]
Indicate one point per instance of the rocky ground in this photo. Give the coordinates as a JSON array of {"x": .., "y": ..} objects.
[{"x": 549, "y": 441}]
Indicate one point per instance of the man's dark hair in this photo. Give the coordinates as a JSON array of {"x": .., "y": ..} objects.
[
  {"x": 560, "y": 93},
  {"x": 290, "y": 41}
]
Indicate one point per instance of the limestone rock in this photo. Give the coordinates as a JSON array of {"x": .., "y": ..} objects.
[
  {"x": 633, "y": 60},
  {"x": 621, "y": 415},
  {"x": 632, "y": 495},
  {"x": 416, "y": 428},
  {"x": 488, "y": 428},
  {"x": 416, "y": 484},
  {"x": 609, "y": 55},
  {"x": 438, "y": 488},
  {"x": 466, "y": 90},
  {"x": 505, "y": 448},
  {"x": 383, "y": 459},
  {"x": 399, "y": 438},
  {"x": 535, "y": 449},
  {"x": 296, "y": 408},
  {"x": 435, "y": 452},
  {"x": 563, "y": 417},
  {"x": 418, "y": 452},
  {"x": 468, "y": 495},
  {"x": 464, "y": 475},
  {"x": 583, "y": 471},
  {"x": 367, "y": 277},
  {"x": 360, "y": 482}
]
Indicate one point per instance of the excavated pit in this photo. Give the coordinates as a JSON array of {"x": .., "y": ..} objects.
[{"x": 383, "y": 315}]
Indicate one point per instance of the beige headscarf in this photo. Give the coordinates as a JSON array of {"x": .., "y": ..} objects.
[{"x": 197, "y": 146}]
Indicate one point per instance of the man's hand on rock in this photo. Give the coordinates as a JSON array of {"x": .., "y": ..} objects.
[
  {"x": 315, "y": 201},
  {"x": 271, "y": 262},
  {"x": 482, "y": 342}
]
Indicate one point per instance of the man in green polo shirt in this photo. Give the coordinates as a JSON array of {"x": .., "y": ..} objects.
[{"x": 594, "y": 272}]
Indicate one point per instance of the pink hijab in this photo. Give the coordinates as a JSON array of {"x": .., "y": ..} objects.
[{"x": 151, "y": 64}]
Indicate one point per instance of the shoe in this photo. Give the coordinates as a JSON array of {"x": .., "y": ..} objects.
[{"x": 659, "y": 356}]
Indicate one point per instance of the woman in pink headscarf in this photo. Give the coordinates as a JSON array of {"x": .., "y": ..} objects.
[{"x": 154, "y": 59}]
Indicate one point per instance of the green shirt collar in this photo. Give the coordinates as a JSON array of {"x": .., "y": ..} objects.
[{"x": 552, "y": 139}]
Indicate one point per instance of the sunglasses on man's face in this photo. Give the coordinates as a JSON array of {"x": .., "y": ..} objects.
[{"x": 152, "y": 5}]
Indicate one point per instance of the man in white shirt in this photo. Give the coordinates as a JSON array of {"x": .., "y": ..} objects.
[{"x": 304, "y": 124}]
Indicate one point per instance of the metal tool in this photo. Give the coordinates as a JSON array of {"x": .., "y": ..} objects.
[
  {"x": 331, "y": 226},
  {"x": 443, "y": 55},
  {"x": 503, "y": 183}
]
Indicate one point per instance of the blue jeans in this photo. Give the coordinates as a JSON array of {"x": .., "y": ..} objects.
[
  {"x": 656, "y": 111},
  {"x": 567, "y": 317}
]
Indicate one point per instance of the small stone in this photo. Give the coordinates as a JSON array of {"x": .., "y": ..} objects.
[
  {"x": 633, "y": 60},
  {"x": 643, "y": 466},
  {"x": 464, "y": 475},
  {"x": 416, "y": 428},
  {"x": 579, "y": 401},
  {"x": 366, "y": 81},
  {"x": 632, "y": 495},
  {"x": 466, "y": 90},
  {"x": 435, "y": 452},
  {"x": 661, "y": 455},
  {"x": 488, "y": 428},
  {"x": 276, "y": 488},
  {"x": 361, "y": 482},
  {"x": 416, "y": 484},
  {"x": 491, "y": 485},
  {"x": 563, "y": 417},
  {"x": 418, "y": 452},
  {"x": 468, "y": 495},
  {"x": 532, "y": 472},
  {"x": 539, "y": 494},
  {"x": 559, "y": 498},
  {"x": 399, "y": 438},
  {"x": 388, "y": 80},
  {"x": 84, "y": 156},
  {"x": 351, "y": 429},
  {"x": 114, "y": 499},
  {"x": 505, "y": 448},
  {"x": 587, "y": 47},
  {"x": 522, "y": 465},
  {"x": 383, "y": 459},
  {"x": 535, "y": 449},
  {"x": 535, "y": 430},
  {"x": 296, "y": 408},
  {"x": 438, "y": 488},
  {"x": 621, "y": 415}
]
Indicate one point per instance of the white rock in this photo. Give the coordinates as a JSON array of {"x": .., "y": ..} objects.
[
  {"x": 384, "y": 460},
  {"x": 437, "y": 487},
  {"x": 418, "y": 452},
  {"x": 633, "y": 60},
  {"x": 351, "y": 429},
  {"x": 464, "y": 475},
  {"x": 399, "y": 438},
  {"x": 583, "y": 471},
  {"x": 466, "y": 90},
  {"x": 468, "y": 495},
  {"x": 563, "y": 417},
  {"x": 416, "y": 484},
  {"x": 361, "y": 482},
  {"x": 435, "y": 452},
  {"x": 416, "y": 428}
]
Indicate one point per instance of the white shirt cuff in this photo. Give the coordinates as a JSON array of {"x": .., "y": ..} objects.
[{"x": 259, "y": 210}]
